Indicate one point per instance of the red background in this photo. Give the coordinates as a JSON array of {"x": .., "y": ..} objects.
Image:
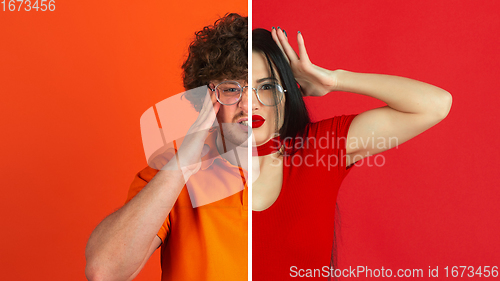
[
  {"x": 435, "y": 201},
  {"x": 74, "y": 83}
]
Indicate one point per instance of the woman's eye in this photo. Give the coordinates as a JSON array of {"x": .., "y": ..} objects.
[{"x": 268, "y": 86}]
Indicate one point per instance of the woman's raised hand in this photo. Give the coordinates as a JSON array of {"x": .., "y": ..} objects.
[{"x": 313, "y": 80}]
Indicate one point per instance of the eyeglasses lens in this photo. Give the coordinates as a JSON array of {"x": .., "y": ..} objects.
[
  {"x": 270, "y": 93},
  {"x": 228, "y": 93}
]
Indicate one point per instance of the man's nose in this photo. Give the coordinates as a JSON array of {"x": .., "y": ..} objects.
[{"x": 243, "y": 104}]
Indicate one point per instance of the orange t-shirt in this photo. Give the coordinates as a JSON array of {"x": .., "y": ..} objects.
[{"x": 209, "y": 242}]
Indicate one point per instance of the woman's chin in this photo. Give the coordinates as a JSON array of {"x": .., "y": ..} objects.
[{"x": 259, "y": 138}]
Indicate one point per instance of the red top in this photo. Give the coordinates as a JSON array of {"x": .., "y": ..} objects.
[{"x": 296, "y": 232}]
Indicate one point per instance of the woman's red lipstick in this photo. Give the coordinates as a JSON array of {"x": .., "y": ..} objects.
[{"x": 257, "y": 121}]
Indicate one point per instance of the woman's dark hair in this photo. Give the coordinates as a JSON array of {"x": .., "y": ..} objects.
[
  {"x": 296, "y": 117},
  {"x": 218, "y": 52}
]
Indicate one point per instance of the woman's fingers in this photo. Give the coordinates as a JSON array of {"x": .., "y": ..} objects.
[
  {"x": 274, "y": 34},
  {"x": 302, "y": 48},
  {"x": 289, "y": 51}
]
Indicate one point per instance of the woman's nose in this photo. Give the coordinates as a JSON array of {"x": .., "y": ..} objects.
[
  {"x": 255, "y": 101},
  {"x": 244, "y": 100}
]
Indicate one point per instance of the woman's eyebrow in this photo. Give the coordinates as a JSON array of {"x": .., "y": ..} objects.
[{"x": 267, "y": 78}]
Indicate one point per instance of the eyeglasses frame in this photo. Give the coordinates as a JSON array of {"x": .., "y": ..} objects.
[{"x": 241, "y": 93}]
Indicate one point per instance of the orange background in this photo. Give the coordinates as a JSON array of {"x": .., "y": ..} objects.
[{"x": 74, "y": 83}]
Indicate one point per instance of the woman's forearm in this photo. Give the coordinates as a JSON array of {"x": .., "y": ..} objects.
[{"x": 399, "y": 93}]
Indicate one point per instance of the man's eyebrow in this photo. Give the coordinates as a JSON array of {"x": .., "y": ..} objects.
[{"x": 267, "y": 78}]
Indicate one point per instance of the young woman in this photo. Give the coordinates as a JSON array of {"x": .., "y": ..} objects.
[{"x": 302, "y": 164}]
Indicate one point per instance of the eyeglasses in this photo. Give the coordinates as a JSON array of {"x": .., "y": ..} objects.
[{"x": 230, "y": 92}]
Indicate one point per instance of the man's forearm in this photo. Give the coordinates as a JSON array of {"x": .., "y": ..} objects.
[{"x": 118, "y": 246}]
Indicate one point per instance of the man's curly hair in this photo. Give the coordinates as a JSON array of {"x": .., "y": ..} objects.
[{"x": 218, "y": 52}]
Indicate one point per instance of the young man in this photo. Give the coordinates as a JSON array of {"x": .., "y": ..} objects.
[{"x": 207, "y": 242}]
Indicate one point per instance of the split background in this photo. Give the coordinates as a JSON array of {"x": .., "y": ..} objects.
[{"x": 74, "y": 83}]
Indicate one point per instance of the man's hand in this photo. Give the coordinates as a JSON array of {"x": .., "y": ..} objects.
[
  {"x": 193, "y": 147},
  {"x": 188, "y": 157}
]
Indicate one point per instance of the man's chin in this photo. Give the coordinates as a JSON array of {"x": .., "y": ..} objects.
[
  {"x": 239, "y": 140},
  {"x": 235, "y": 135}
]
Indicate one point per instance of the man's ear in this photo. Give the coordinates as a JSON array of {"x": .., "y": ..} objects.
[{"x": 217, "y": 117}]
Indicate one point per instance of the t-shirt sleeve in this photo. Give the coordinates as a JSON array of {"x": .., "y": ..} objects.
[
  {"x": 341, "y": 128},
  {"x": 141, "y": 179},
  {"x": 337, "y": 128}
]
